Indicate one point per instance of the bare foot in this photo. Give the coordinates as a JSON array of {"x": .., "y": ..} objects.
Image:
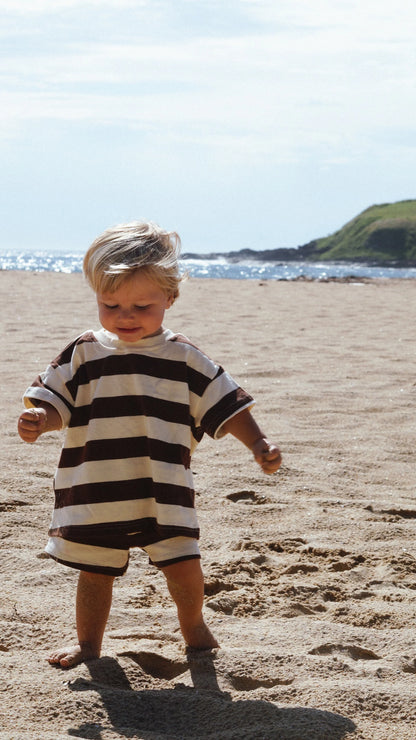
[
  {"x": 199, "y": 637},
  {"x": 70, "y": 657}
]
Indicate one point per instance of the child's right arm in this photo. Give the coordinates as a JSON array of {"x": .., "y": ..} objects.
[{"x": 34, "y": 422}]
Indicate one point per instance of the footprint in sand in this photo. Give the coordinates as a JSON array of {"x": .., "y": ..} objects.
[
  {"x": 289, "y": 544},
  {"x": 356, "y": 652},
  {"x": 248, "y": 683},
  {"x": 247, "y": 497},
  {"x": 215, "y": 586},
  {"x": 156, "y": 665}
]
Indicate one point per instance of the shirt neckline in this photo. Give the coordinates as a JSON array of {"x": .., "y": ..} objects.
[{"x": 108, "y": 339}]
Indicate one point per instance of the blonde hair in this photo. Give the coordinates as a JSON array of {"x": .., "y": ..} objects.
[{"x": 122, "y": 250}]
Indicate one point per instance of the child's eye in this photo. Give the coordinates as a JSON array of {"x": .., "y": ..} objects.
[
  {"x": 109, "y": 307},
  {"x": 142, "y": 308}
]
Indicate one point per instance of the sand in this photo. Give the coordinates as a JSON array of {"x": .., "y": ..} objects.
[{"x": 310, "y": 573}]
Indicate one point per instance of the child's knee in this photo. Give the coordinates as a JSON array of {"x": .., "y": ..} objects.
[
  {"x": 186, "y": 585},
  {"x": 101, "y": 579},
  {"x": 187, "y": 572}
]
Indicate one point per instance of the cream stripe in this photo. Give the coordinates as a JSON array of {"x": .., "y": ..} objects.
[
  {"x": 74, "y": 552},
  {"x": 124, "y": 511},
  {"x": 127, "y": 385},
  {"x": 176, "y": 547},
  {"x": 121, "y": 427},
  {"x": 127, "y": 469}
]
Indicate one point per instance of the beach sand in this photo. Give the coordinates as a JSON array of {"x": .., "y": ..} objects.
[{"x": 310, "y": 573}]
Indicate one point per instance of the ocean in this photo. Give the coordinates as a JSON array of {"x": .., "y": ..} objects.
[{"x": 38, "y": 261}]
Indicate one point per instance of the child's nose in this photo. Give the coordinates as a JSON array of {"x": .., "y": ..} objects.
[{"x": 125, "y": 313}]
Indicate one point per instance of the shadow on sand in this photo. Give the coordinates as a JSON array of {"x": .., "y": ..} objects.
[{"x": 201, "y": 712}]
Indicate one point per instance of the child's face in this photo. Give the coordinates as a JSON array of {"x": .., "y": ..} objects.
[{"x": 135, "y": 310}]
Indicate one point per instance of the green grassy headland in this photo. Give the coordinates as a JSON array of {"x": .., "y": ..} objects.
[{"x": 381, "y": 235}]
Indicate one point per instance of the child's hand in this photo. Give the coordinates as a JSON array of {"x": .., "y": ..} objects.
[
  {"x": 31, "y": 424},
  {"x": 267, "y": 455}
]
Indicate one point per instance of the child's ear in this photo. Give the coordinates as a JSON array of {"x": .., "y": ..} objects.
[{"x": 170, "y": 300}]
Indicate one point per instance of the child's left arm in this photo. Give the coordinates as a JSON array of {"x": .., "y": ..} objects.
[{"x": 244, "y": 427}]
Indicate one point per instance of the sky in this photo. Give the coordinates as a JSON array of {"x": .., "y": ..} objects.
[{"x": 238, "y": 123}]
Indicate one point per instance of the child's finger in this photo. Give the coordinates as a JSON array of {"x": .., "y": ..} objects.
[
  {"x": 31, "y": 415},
  {"x": 272, "y": 454},
  {"x": 271, "y": 460}
]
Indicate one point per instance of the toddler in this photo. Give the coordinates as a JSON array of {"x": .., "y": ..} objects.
[{"x": 135, "y": 400}]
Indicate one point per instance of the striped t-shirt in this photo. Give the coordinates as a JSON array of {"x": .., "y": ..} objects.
[{"x": 134, "y": 413}]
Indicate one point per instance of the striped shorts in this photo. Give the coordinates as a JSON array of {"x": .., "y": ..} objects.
[{"x": 114, "y": 561}]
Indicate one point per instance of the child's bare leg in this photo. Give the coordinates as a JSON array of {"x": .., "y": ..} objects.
[
  {"x": 93, "y": 605},
  {"x": 186, "y": 586}
]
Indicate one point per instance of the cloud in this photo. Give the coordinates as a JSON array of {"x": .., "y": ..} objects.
[
  {"x": 37, "y": 7},
  {"x": 306, "y": 79}
]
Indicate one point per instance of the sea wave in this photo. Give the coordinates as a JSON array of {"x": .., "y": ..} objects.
[{"x": 42, "y": 261}]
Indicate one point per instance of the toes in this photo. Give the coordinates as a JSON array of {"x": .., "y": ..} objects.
[
  {"x": 69, "y": 657},
  {"x": 65, "y": 658},
  {"x": 55, "y": 658},
  {"x": 68, "y": 661}
]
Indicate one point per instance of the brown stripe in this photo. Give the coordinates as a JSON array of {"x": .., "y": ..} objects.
[
  {"x": 66, "y": 355},
  {"x": 116, "y": 406},
  {"x": 125, "y": 490},
  {"x": 138, "y": 364},
  {"x": 126, "y": 447},
  {"x": 226, "y": 407},
  {"x": 163, "y": 563},
  {"x": 116, "y": 534}
]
